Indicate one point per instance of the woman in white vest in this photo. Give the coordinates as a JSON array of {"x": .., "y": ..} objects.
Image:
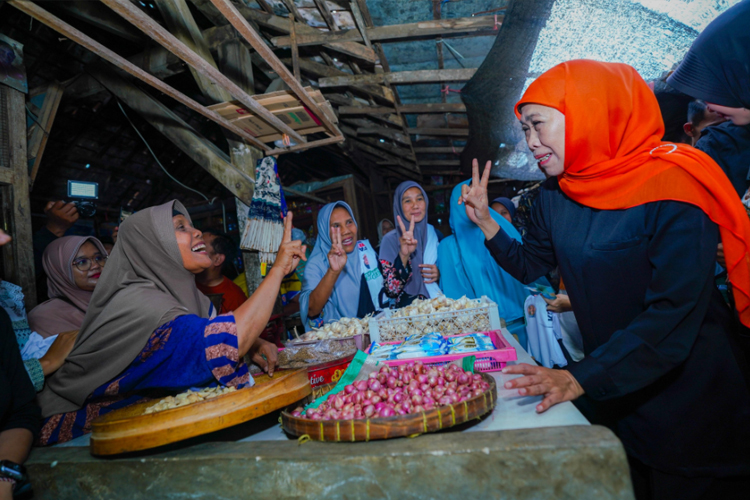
[
  {"x": 408, "y": 255},
  {"x": 342, "y": 276}
]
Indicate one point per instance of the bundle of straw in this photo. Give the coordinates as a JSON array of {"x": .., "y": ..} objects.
[{"x": 265, "y": 224}]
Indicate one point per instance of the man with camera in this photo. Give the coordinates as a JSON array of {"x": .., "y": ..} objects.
[{"x": 60, "y": 217}]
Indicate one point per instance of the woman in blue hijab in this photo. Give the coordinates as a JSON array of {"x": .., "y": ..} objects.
[
  {"x": 342, "y": 277},
  {"x": 463, "y": 262}
]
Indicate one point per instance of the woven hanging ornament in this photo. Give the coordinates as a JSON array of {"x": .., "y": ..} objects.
[{"x": 265, "y": 224}]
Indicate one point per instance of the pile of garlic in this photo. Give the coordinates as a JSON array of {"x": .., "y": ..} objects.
[
  {"x": 441, "y": 314},
  {"x": 188, "y": 397},
  {"x": 341, "y": 329},
  {"x": 430, "y": 306}
]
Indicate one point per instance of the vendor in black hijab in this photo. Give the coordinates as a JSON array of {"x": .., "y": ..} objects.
[{"x": 716, "y": 69}]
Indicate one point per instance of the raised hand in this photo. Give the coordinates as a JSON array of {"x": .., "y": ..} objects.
[
  {"x": 337, "y": 255},
  {"x": 290, "y": 252},
  {"x": 475, "y": 196},
  {"x": 60, "y": 217},
  {"x": 407, "y": 240}
]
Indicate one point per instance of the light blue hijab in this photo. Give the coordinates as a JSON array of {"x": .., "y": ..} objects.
[
  {"x": 344, "y": 300},
  {"x": 467, "y": 268}
]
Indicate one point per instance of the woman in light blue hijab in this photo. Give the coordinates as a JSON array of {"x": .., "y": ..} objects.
[
  {"x": 342, "y": 277},
  {"x": 465, "y": 267}
]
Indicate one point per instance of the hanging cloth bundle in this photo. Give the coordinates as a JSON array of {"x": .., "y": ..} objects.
[{"x": 265, "y": 224}]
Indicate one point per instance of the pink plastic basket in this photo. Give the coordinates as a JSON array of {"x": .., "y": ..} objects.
[{"x": 487, "y": 361}]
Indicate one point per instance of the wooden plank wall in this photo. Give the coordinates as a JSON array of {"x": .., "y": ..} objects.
[{"x": 18, "y": 256}]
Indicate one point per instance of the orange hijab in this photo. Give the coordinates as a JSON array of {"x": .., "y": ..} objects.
[{"x": 614, "y": 158}]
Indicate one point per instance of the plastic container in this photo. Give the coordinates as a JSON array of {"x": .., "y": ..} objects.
[
  {"x": 487, "y": 361},
  {"x": 361, "y": 341},
  {"x": 329, "y": 372},
  {"x": 483, "y": 317}
]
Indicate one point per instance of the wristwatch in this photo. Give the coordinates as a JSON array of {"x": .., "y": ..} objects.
[
  {"x": 13, "y": 470},
  {"x": 17, "y": 473}
]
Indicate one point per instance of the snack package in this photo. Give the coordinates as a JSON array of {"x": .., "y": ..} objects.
[
  {"x": 469, "y": 343},
  {"x": 418, "y": 345}
]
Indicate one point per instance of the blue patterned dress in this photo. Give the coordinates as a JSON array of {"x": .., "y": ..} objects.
[{"x": 189, "y": 351}]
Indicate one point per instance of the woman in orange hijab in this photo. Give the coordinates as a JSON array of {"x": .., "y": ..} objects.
[{"x": 633, "y": 224}]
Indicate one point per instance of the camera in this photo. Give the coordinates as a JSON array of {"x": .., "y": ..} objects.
[{"x": 83, "y": 195}]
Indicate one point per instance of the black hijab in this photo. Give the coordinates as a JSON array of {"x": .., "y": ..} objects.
[{"x": 716, "y": 69}]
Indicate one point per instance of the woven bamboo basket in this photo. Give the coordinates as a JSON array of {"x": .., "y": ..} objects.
[{"x": 370, "y": 429}]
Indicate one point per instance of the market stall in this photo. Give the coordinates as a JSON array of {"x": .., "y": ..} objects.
[{"x": 511, "y": 453}]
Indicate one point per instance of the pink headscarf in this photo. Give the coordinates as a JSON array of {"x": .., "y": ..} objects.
[{"x": 67, "y": 304}]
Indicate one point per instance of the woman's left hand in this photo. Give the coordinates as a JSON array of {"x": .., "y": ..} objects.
[
  {"x": 557, "y": 386},
  {"x": 266, "y": 355},
  {"x": 430, "y": 273},
  {"x": 58, "y": 351}
]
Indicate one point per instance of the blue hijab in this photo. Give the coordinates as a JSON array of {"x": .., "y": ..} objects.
[
  {"x": 344, "y": 300},
  {"x": 467, "y": 268}
]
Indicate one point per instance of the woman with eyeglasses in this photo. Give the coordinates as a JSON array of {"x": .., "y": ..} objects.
[{"x": 73, "y": 265}]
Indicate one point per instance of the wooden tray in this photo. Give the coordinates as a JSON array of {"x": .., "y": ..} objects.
[
  {"x": 370, "y": 429},
  {"x": 129, "y": 429}
]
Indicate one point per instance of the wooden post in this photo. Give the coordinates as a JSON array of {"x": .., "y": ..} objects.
[{"x": 18, "y": 256}]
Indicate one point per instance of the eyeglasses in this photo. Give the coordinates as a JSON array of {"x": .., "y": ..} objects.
[{"x": 84, "y": 263}]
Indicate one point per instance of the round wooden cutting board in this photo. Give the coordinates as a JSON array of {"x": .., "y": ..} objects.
[{"x": 129, "y": 429}]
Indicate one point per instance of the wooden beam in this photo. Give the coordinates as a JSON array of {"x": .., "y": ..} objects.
[
  {"x": 182, "y": 135},
  {"x": 402, "y": 77},
  {"x": 98, "y": 15},
  {"x": 319, "y": 70},
  {"x": 171, "y": 43},
  {"x": 409, "y": 109},
  {"x": 40, "y": 131},
  {"x": 326, "y": 14},
  {"x": 365, "y": 110},
  {"x": 453, "y": 132},
  {"x": 396, "y": 135},
  {"x": 281, "y": 24},
  {"x": 295, "y": 50},
  {"x": 450, "y": 187},
  {"x": 293, "y": 12},
  {"x": 252, "y": 37},
  {"x": 235, "y": 61},
  {"x": 360, "y": 23},
  {"x": 439, "y": 163},
  {"x": 264, "y": 5},
  {"x": 444, "y": 27},
  {"x": 437, "y": 150},
  {"x": 293, "y": 192},
  {"x": 389, "y": 148},
  {"x": 441, "y": 172},
  {"x": 181, "y": 24},
  {"x": 58, "y": 25},
  {"x": 312, "y": 144},
  {"x": 365, "y": 13},
  {"x": 385, "y": 156}
]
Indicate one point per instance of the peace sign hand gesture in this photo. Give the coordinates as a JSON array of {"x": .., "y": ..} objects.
[
  {"x": 476, "y": 200},
  {"x": 337, "y": 255},
  {"x": 407, "y": 240},
  {"x": 290, "y": 252}
]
